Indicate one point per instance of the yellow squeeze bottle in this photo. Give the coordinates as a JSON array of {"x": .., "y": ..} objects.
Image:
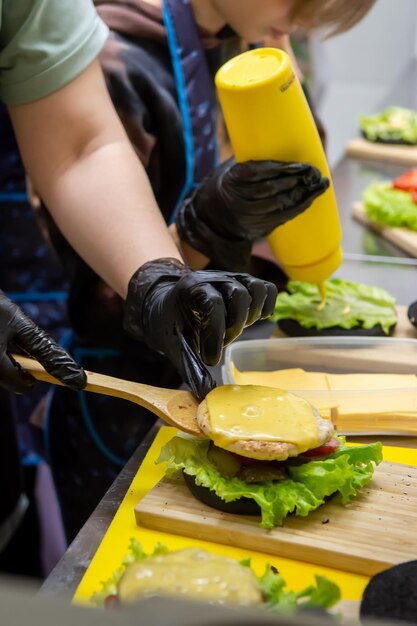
[{"x": 267, "y": 117}]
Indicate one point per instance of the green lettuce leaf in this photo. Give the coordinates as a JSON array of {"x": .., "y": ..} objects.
[
  {"x": 390, "y": 207},
  {"x": 392, "y": 124},
  {"x": 324, "y": 593},
  {"x": 344, "y": 472},
  {"x": 348, "y": 305}
]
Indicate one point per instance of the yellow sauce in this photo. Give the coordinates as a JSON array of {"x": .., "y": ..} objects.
[
  {"x": 323, "y": 292},
  {"x": 252, "y": 412},
  {"x": 193, "y": 573}
]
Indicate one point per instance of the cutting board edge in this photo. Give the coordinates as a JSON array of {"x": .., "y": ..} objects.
[
  {"x": 360, "y": 148},
  {"x": 400, "y": 237}
]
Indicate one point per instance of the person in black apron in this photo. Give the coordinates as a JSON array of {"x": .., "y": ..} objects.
[{"x": 159, "y": 69}]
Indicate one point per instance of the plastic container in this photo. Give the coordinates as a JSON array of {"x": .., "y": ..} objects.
[
  {"x": 379, "y": 411},
  {"x": 268, "y": 117}
]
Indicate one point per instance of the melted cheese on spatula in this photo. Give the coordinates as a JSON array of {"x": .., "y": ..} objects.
[{"x": 259, "y": 413}]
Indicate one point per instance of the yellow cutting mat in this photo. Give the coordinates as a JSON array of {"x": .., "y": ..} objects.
[{"x": 115, "y": 542}]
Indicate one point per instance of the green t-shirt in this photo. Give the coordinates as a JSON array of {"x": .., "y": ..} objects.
[{"x": 44, "y": 44}]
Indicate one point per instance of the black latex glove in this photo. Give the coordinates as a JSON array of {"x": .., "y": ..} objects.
[
  {"x": 190, "y": 316},
  {"x": 412, "y": 313},
  {"x": 242, "y": 202},
  {"x": 16, "y": 327}
]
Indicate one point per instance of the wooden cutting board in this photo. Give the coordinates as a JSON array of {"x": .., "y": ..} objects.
[
  {"x": 375, "y": 531},
  {"x": 401, "y": 155},
  {"x": 404, "y": 238}
]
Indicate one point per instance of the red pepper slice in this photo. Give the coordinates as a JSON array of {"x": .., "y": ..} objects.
[
  {"x": 407, "y": 181},
  {"x": 324, "y": 450},
  {"x": 111, "y": 601}
]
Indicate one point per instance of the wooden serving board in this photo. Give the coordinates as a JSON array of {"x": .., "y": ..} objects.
[
  {"x": 401, "y": 155},
  {"x": 404, "y": 238},
  {"x": 377, "y": 530}
]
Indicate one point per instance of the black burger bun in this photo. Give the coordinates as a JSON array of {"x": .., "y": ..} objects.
[
  {"x": 412, "y": 313},
  {"x": 242, "y": 506},
  {"x": 292, "y": 328},
  {"x": 392, "y": 595}
]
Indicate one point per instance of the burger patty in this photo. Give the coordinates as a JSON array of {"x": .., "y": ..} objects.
[{"x": 265, "y": 450}]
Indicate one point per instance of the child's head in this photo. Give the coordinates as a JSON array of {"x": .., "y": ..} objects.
[{"x": 255, "y": 19}]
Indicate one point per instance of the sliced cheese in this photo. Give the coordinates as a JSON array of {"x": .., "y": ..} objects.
[
  {"x": 290, "y": 379},
  {"x": 366, "y": 382},
  {"x": 356, "y": 402}
]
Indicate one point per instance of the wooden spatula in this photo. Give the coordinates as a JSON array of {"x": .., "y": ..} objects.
[{"x": 176, "y": 408}]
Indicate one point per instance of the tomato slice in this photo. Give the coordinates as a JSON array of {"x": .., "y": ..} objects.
[
  {"x": 407, "y": 181},
  {"x": 324, "y": 450}
]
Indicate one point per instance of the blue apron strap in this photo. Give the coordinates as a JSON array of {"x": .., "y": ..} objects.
[
  {"x": 20, "y": 297},
  {"x": 13, "y": 196},
  {"x": 79, "y": 354},
  {"x": 196, "y": 93}
]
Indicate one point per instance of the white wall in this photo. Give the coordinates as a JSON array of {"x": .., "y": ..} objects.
[{"x": 354, "y": 71}]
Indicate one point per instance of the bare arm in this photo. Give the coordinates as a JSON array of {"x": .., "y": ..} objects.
[
  {"x": 80, "y": 160},
  {"x": 192, "y": 257}
]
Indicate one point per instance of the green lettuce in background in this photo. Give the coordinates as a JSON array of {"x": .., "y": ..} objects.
[
  {"x": 324, "y": 593},
  {"x": 392, "y": 124},
  {"x": 390, "y": 207},
  {"x": 345, "y": 472},
  {"x": 348, "y": 305}
]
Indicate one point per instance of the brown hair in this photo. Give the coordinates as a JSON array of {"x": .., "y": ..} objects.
[{"x": 334, "y": 16}]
